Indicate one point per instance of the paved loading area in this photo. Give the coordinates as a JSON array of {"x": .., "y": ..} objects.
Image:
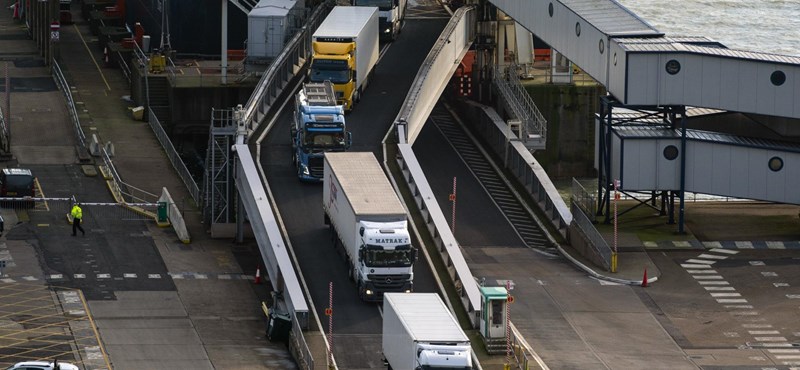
[{"x": 154, "y": 301}]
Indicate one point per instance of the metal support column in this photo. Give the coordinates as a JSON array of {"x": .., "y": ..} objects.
[
  {"x": 607, "y": 157},
  {"x": 224, "y": 67},
  {"x": 601, "y": 153},
  {"x": 683, "y": 171}
]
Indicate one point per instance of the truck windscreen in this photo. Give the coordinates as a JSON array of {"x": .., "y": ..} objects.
[
  {"x": 334, "y": 70},
  {"x": 323, "y": 139},
  {"x": 388, "y": 258}
]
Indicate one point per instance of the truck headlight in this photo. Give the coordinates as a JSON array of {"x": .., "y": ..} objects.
[
  {"x": 408, "y": 290},
  {"x": 368, "y": 292},
  {"x": 387, "y": 30},
  {"x": 304, "y": 168}
]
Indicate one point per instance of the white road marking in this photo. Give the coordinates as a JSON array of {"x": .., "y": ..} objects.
[
  {"x": 722, "y": 250},
  {"x": 702, "y": 262},
  {"x": 129, "y": 276},
  {"x": 707, "y": 277},
  {"x": 756, "y": 326},
  {"x": 694, "y": 266},
  {"x": 80, "y": 276},
  {"x": 764, "y": 332},
  {"x": 744, "y": 244},
  {"x": 154, "y": 276},
  {"x": 104, "y": 276},
  {"x": 712, "y": 256},
  {"x": 756, "y": 263},
  {"x": 719, "y": 288},
  {"x": 713, "y": 282},
  {"x": 745, "y": 313},
  {"x": 731, "y": 300},
  {"x": 778, "y": 285},
  {"x": 769, "y": 274},
  {"x": 783, "y": 350},
  {"x": 709, "y": 271},
  {"x": 56, "y": 276},
  {"x": 726, "y": 295},
  {"x": 776, "y": 245},
  {"x": 771, "y": 339},
  {"x": 740, "y": 307}
]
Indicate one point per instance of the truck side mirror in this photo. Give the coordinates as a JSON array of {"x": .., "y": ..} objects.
[{"x": 349, "y": 140}]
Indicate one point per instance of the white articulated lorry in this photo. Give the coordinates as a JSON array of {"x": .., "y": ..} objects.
[
  {"x": 368, "y": 221},
  {"x": 345, "y": 47},
  {"x": 420, "y": 333}
]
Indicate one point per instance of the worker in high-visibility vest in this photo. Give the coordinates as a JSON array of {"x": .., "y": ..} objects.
[{"x": 77, "y": 216}]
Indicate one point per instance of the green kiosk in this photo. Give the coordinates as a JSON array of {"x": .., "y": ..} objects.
[{"x": 493, "y": 315}]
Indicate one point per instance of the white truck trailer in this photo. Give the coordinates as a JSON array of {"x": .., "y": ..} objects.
[
  {"x": 345, "y": 50},
  {"x": 368, "y": 221},
  {"x": 420, "y": 333}
]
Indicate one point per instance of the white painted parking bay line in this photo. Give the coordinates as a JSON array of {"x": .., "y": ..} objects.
[
  {"x": 712, "y": 256},
  {"x": 694, "y": 266},
  {"x": 129, "y": 276},
  {"x": 788, "y": 357},
  {"x": 764, "y": 332},
  {"x": 777, "y": 345},
  {"x": 745, "y": 313},
  {"x": 783, "y": 350},
  {"x": 731, "y": 300},
  {"x": 744, "y": 244},
  {"x": 721, "y": 250},
  {"x": 719, "y": 288},
  {"x": 709, "y": 271},
  {"x": 741, "y": 307},
  {"x": 713, "y": 282},
  {"x": 702, "y": 262},
  {"x": 708, "y": 277},
  {"x": 726, "y": 295},
  {"x": 756, "y": 326},
  {"x": 771, "y": 339}
]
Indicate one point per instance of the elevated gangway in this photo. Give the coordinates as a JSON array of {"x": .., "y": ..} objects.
[{"x": 640, "y": 66}]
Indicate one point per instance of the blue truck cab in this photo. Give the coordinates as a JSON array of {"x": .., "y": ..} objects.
[{"x": 319, "y": 127}]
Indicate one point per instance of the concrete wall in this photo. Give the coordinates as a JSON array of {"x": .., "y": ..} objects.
[{"x": 570, "y": 114}]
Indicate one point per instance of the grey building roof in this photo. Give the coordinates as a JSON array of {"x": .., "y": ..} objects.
[
  {"x": 611, "y": 17},
  {"x": 647, "y": 133}
]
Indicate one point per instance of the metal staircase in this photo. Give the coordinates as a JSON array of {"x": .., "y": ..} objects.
[
  {"x": 219, "y": 189},
  {"x": 530, "y": 126}
]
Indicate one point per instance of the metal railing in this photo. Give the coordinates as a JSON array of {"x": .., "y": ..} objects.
[
  {"x": 584, "y": 199},
  {"x": 62, "y": 84},
  {"x": 595, "y": 240},
  {"x": 129, "y": 193},
  {"x": 521, "y": 163},
  {"x": 302, "y": 352},
  {"x": 534, "y": 126},
  {"x": 523, "y": 354},
  {"x": 174, "y": 157},
  {"x": 5, "y": 144}
]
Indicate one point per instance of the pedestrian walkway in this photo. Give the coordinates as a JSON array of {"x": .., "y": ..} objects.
[{"x": 177, "y": 327}]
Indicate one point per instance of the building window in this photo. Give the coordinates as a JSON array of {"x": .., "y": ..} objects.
[
  {"x": 550, "y": 10},
  {"x": 671, "y": 152},
  {"x": 602, "y": 46},
  {"x": 775, "y": 164},
  {"x": 578, "y": 29},
  {"x": 778, "y": 78},
  {"x": 673, "y": 67}
]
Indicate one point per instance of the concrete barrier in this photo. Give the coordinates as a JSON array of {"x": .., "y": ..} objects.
[{"x": 175, "y": 217}]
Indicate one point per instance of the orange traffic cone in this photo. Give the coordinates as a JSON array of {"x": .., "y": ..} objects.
[
  {"x": 644, "y": 279},
  {"x": 258, "y": 276}
]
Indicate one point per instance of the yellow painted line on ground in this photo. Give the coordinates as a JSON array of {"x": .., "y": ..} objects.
[
  {"x": 43, "y": 225},
  {"x": 94, "y": 328},
  {"x": 92, "y": 56}
]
